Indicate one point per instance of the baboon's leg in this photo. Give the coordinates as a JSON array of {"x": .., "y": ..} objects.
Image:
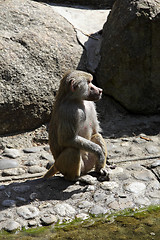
[
  {"x": 90, "y": 160},
  {"x": 98, "y": 139},
  {"x": 68, "y": 163}
]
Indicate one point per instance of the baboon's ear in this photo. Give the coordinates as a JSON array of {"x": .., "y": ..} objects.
[{"x": 72, "y": 85}]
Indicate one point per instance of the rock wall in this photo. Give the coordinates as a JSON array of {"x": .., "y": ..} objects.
[{"x": 130, "y": 55}]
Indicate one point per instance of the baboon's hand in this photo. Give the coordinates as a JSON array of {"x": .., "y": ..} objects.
[{"x": 104, "y": 175}]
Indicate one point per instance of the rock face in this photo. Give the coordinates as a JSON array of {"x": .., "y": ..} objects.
[
  {"x": 130, "y": 55},
  {"x": 37, "y": 46}
]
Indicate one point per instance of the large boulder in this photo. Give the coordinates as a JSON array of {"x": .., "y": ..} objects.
[
  {"x": 37, "y": 46},
  {"x": 129, "y": 69}
]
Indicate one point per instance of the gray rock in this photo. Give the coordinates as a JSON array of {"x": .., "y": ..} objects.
[
  {"x": 135, "y": 187},
  {"x": 125, "y": 66},
  {"x": 125, "y": 203},
  {"x": 97, "y": 210},
  {"x": 36, "y": 169},
  {"x": 47, "y": 148},
  {"x": 9, "y": 203},
  {"x": 155, "y": 194},
  {"x": 116, "y": 171},
  {"x": 82, "y": 216},
  {"x": 32, "y": 223},
  {"x": 21, "y": 188},
  {"x": 64, "y": 210},
  {"x": 142, "y": 201},
  {"x": 47, "y": 156},
  {"x": 39, "y": 46},
  {"x": 28, "y": 212},
  {"x": 155, "y": 164},
  {"x": 144, "y": 175},
  {"x": 13, "y": 172},
  {"x": 31, "y": 162},
  {"x": 123, "y": 176},
  {"x": 2, "y": 187},
  {"x": 8, "y": 163},
  {"x": 12, "y": 153},
  {"x": 85, "y": 204},
  {"x": 134, "y": 166},
  {"x": 151, "y": 149},
  {"x": 47, "y": 220},
  {"x": 109, "y": 185},
  {"x": 5, "y": 215},
  {"x": 121, "y": 204},
  {"x": 12, "y": 226},
  {"x": 90, "y": 188},
  {"x": 32, "y": 150},
  {"x": 157, "y": 171},
  {"x": 88, "y": 179},
  {"x": 99, "y": 196},
  {"x": 21, "y": 199}
]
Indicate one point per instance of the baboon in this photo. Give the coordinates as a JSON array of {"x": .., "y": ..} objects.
[{"x": 74, "y": 138}]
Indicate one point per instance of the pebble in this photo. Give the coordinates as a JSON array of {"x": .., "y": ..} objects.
[
  {"x": 64, "y": 210},
  {"x": 82, "y": 216},
  {"x": 90, "y": 188},
  {"x": 135, "y": 187},
  {"x": 48, "y": 220},
  {"x": 28, "y": 212},
  {"x": 2, "y": 187},
  {"x": 134, "y": 166},
  {"x": 85, "y": 204},
  {"x": 47, "y": 156},
  {"x": 144, "y": 175},
  {"x": 116, "y": 171},
  {"x": 9, "y": 203},
  {"x": 155, "y": 194},
  {"x": 97, "y": 210},
  {"x": 13, "y": 172},
  {"x": 155, "y": 164},
  {"x": 21, "y": 189},
  {"x": 109, "y": 185},
  {"x": 30, "y": 162},
  {"x": 12, "y": 226},
  {"x": 36, "y": 169},
  {"x": 151, "y": 149},
  {"x": 32, "y": 223},
  {"x": 21, "y": 199},
  {"x": 12, "y": 153},
  {"x": 99, "y": 196},
  {"x": 142, "y": 201},
  {"x": 88, "y": 179},
  {"x": 32, "y": 150},
  {"x": 8, "y": 163}
]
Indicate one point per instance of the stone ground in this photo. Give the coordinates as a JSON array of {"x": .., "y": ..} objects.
[{"x": 27, "y": 200}]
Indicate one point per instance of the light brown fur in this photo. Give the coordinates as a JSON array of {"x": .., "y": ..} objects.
[{"x": 74, "y": 138}]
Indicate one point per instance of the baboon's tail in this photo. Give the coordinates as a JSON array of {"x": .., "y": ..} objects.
[{"x": 51, "y": 172}]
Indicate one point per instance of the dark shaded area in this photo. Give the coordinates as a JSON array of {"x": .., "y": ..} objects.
[
  {"x": 116, "y": 121},
  {"x": 51, "y": 189},
  {"x": 92, "y": 3}
]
